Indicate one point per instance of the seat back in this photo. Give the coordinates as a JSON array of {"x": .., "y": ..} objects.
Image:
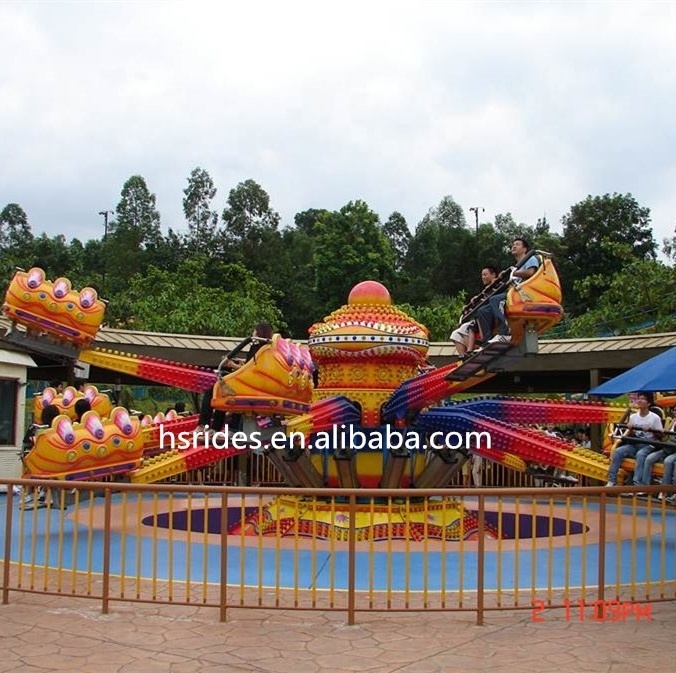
[{"x": 536, "y": 302}]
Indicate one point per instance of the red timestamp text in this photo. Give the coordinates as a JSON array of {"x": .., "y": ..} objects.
[{"x": 597, "y": 611}]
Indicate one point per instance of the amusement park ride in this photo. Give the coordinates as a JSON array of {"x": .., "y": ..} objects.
[{"x": 372, "y": 378}]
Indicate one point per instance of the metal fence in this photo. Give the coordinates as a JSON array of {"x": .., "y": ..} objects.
[
  {"x": 589, "y": 551},
  {"x": 258, "y": 470}
]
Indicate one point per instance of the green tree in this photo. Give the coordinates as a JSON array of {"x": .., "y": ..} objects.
[
  {"x": 197, "y": 298},
  {"x": 294, "y": 273},
  {"x": 16, "y": 239},
  {"x": 597, "y": 233},
  {"x": 137, "y": 212},
  {"x": 173, "y": 250},
  {"x": 417, "y": 283},
  {"x": 350, "y": 247},
  {"x": 306, "y": 221},
  {"x": 669, "y": 247},
  {"x": 15, "y": 230},
  {"x": 399, "y": 235},
  {"x": 248, "y": 216},
  {"x": 295, "y": 282},
  {"x": 56, "y": 256},
  {"x": 94, "y": 265},
  {"x": 507, "y": 229},
  {"x": 627, "y": 306},
  {"x": 250, "y": 236},
  {"x": 441, "y": 258},
  {"x": 493, "y": 241},
  {"x": 202, "y": 221},
  {"x": 440, "y": 316},
  {"x": 134, "y": 239},
  {"x": 540, "y": 237}
]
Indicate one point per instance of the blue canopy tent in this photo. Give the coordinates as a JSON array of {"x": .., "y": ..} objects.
[{"x": 655, "y": 375}]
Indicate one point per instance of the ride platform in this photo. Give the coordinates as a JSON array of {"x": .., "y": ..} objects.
[
  {"x": 32, "y": 342},
  {"x": 480, "y": 361}
]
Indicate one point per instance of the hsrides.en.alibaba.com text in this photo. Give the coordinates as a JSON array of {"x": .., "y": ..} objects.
[{"x": 376, "y": 439}]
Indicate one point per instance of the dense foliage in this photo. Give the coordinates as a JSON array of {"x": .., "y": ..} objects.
[{"x": 220, "y": 274}]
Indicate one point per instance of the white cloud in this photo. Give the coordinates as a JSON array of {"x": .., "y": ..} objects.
[{"x": 520, "y": 107}]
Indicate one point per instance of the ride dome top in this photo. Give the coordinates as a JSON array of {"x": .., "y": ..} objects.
[{"x": 369, "y": 327}]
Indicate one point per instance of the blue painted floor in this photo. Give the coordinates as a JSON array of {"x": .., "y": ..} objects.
[{"x": 649, "y": 558}]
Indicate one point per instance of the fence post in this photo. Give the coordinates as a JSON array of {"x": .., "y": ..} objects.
[
  {"x": 601, "y": 578},
  {"x": 106, "y": 551},
  {"x": 352, "y": 561},
  {"x": 481, "y": 523},
  {"x": 8, "y": 543},
  {"x": 223, "y": 601}
]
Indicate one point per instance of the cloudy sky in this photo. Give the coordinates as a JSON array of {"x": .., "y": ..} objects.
[{"x": 521, "y": 107}]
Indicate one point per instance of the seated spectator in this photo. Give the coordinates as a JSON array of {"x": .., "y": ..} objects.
[
  {"x": 125, "y": 398},
  {"x": 81, "y": 407},
  {"x": 473, "y": 466},
  {"x": 465, "y": 336},
  {"x": 582, "y": 438},
  {"x": 262, "y": 335},
  {"x": 35, "y": 498},
  {"x": 669, "y": 477},
  {"x": 668, "y": 456},
  {"x": 493, "y": 313},
  {"x": 179, "y": 408},
  {"x": 551, "y": 430},
  {"x": 57, "y": 385},
  {"x": 49, "y": 413},
  {"x": 215, "y": 418},
  {"x": 643, "y": 424},
  {"x": 642, "y": 468},
  {"x": 557, "y": 473}
]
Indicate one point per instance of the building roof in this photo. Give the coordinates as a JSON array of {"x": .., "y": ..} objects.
[
  {"x": 438, "y": 349},
  {"x": 111, "y": 337},
  {"x": 14, "y": 357},
  {"x": 118, "y": 338},
  {"x": 583, "y": 345},
  {"x": 574, "y": 365}
]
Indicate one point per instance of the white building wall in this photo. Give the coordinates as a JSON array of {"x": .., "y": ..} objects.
[{"x": 14, "y": 366}]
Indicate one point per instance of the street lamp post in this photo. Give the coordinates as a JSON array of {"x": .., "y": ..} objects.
[
  {"x": 105, "y": 214},
  {"x": 475, "y": 210}
]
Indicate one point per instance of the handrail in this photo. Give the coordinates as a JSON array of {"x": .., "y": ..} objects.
[
  {"x": 502, "y": 282},
  {"x": 238, "y": 349}
]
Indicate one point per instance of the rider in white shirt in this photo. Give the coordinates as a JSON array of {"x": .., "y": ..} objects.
[{"x": 644, "y": 424}]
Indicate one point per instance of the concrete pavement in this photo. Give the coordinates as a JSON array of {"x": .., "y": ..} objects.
[{"x": 54, "y": 633}]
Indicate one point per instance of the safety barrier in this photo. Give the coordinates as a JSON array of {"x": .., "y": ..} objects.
[
  {"x": 258, "y": 470},
  {"x": 589, "y": 551}
]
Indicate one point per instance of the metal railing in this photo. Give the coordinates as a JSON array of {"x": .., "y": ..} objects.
[
  {"x": 260, "y": 471},
  {"x": 588, "y": 550}
]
